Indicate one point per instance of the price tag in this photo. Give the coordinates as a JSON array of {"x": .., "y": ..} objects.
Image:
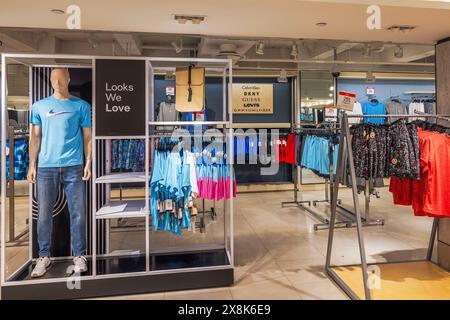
[
  {"x": 346, "y": 101},
  {"x": 199, "y": 116},
  {"x": 170, "y": 91},
  {"x": 370, "y": 91},
  {"x": 168, "y": 205}
]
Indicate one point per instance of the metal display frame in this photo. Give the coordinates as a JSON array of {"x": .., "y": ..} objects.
[
  {"x": 125, "y": 282},
  {"x": 348, "y": 217},
  {"x": 345, "y": 139}
]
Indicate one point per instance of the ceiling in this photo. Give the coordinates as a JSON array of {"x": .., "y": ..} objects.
[
  {"x": 233, "y": 29},
  {"x": 236, "y": 18}
]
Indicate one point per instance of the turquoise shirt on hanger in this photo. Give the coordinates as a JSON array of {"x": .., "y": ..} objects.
[{"x": 374, "y": 108}]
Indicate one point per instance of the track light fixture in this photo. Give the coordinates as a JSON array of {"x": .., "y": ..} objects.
[
  {"x": 398, "y": 53},
  {"x": 367, "y": 52},
  {"x": 260, "y": 48},
  {"x": 283, "y": 76},
  {"x": 177, "y": 46},
  {"x": 370, "y": 78},
  {"x": 92, "y": 40},
  {"x": 294, "y": 51},
  {"x": 169, "y": 76}
]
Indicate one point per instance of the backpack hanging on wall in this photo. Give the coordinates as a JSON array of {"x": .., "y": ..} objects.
[{"x": 190, "y": 89}]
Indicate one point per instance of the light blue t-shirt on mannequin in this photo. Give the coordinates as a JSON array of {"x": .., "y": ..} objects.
[{"x": 61, "y": 124}]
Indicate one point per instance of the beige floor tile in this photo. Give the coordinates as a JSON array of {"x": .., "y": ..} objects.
[
  {"x": 288, "y": 265},
  {"x": 201, "y": 294},
  {"x": 147, "y": 296},
  {"x": 262, "y": 269},
  {"x": 278, "y": 255},
  {"x": 248, "y": 249},
  {"x": 274, "y": 289},
  {"x": 305, "y": 274},
  {"x": 319, "y": 290},
  {"x": 279, "y": 235},
  {"x": 293, "y": 251}
]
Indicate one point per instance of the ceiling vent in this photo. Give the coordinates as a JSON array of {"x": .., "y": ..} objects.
[
  {"x": 401, "y": 28},
  {"x": 229, "y": 51},
  {"x": 183, "y": 18}
]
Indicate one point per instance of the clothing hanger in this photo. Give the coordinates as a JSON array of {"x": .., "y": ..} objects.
[
  {"x": 169, "y": 98},
  {"x": 374, "y": 99}
]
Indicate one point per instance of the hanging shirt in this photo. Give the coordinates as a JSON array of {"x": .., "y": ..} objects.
[
  {"x": 416, "y": 106},
  {"x": 253, "y": 149},
  {"x": 393, "y": 108},
  {"x": 192, "y": 172},
  {"x": 167, "y": 112},
  {"x": 430, "y": 107},
  {"x": 61, "y": 122},
  {"x": 21, "y": 159},
  {"x": 435, "y": 166},
  {"x": 357, "y": 110},
  {"x": 291, "y": 149},
  {"x": 374, "y": 108}
]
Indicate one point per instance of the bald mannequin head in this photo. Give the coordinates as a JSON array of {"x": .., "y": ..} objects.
[{"x": 60, "y": 79}]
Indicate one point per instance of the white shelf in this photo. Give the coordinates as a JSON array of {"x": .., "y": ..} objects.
[
  {"x": 122, "y": 209},
  {"x": 122, "y": 177}
]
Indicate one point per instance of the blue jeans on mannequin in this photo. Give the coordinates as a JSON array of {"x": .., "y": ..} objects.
[{"x": 48, "y": 181}]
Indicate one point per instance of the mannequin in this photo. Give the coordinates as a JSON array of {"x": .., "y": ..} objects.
[{"x": 60, "y": 136}]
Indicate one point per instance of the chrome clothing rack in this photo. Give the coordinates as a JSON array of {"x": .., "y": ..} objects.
[{"x": 347, "y": 217}]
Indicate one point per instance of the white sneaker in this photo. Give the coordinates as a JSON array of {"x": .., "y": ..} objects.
[
  {"x": 80, "y": 264},
  {"x": 42, "y": 265}
]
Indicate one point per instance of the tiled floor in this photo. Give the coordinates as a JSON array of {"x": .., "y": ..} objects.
[{"x": 278, "y": 255}]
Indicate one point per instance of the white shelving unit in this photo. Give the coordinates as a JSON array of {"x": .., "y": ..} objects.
[
  {"x": 189, "y": 266},
  {"x": 120, "y": 208}
]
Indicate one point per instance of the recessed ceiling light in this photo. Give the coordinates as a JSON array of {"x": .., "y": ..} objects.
[
  {"x": 294, "y": 51},
  {"x": 321, "y": 24},
  {"x": 57, "y": 11}
]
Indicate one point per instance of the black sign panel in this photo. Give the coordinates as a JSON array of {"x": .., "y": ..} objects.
[{"x": 120, "y": 97}]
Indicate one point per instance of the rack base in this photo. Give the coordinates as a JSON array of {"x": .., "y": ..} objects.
[
  {"x": 126, "y": 275},
  {"x": 415, "y": 280}
]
